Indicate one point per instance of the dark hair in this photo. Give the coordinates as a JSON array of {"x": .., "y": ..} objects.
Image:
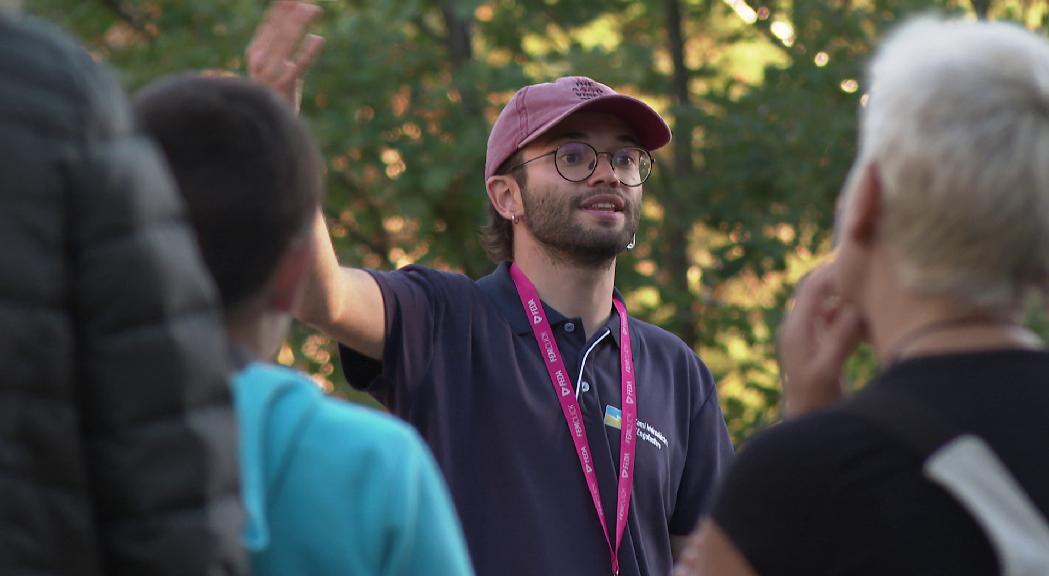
[
  {"x": 497, "y": 234},
  {"x": 247, "y": 168}
]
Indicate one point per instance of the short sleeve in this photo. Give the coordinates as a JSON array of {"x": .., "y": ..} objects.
[
  {"x": 419, "y": 305},
  {"x": 708, "y": 455},
  {"x": 348, "y": 490},
  {"x": 773, "y": 502},
  {"x": 429, "y": 537}
]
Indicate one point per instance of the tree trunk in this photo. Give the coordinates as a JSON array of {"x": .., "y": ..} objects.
[
  {"x": 675, "y": 230},
  {"x": 462, "y": 193},
  {"x": 981, "y": 7},
  {"x": 458, "y": 35}
]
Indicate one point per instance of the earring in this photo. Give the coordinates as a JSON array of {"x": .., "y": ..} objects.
[
  {"x": 632, "y": 242},
  {"x": 513, "y": 217}
]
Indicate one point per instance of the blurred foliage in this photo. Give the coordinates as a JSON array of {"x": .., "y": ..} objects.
[{"x": 763, "y": 98}]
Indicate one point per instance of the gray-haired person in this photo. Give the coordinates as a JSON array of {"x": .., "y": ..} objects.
[{"x": 939, "y": 465}]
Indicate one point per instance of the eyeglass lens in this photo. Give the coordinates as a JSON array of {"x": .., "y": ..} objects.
[{"x": 576, "y": 161}]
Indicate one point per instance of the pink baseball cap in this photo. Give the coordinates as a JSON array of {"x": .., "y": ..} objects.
[{"x": 535, "y": 109}]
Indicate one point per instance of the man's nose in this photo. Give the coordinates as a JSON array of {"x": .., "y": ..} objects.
[{"x": 603, "y": 172}]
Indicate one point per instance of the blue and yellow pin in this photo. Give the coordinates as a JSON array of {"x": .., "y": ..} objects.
[{"x": 613, "y": 417}]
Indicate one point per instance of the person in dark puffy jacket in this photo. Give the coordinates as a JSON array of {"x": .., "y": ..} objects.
[{"x": 117, "y": 435}]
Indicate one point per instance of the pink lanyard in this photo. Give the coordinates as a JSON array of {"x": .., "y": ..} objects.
[{"x": 544, "y": 337}]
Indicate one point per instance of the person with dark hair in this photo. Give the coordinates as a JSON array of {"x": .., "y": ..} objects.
[
  {"x": 116, "y": 419},
  {"x": 329, "y": 487},
  {"x": 937, "y": 466},
  {"x": 575, "y": 439}
]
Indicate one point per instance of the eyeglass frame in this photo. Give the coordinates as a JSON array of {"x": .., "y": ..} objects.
[{"x": 597, "y": 155}]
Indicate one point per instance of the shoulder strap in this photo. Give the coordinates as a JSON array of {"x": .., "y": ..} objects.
[
  {"x": 967, "y": 468},
  {"x": 903, "y": 417}
]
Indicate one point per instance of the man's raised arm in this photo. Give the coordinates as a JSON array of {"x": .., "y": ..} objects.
[{"x": 344, "y": 302}]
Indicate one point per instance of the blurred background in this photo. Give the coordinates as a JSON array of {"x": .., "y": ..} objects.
[{"x": 762, "y": 97}]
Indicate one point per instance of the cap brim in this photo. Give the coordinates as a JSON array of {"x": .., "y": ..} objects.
[{"x": 651, "y": 130}]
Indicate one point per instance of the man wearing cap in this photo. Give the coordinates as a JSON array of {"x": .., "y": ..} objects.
[{"x": 575, "y": 438}]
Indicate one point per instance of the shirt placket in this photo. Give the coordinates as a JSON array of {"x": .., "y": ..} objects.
[{"x": 592, "y": 404}]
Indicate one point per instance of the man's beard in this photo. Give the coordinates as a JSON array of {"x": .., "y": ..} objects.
[{"x": 550, "y": 217}]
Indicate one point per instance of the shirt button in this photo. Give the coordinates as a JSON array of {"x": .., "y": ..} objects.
[
  {"x": 569, "y": 327},
  {"x": 585, "y": 386}
]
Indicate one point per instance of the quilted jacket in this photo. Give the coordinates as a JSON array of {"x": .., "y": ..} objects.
[{"x": 117, "y": 436}]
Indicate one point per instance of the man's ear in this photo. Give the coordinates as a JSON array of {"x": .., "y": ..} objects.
[
  {"x": 289, "y": 275},
  {"x": 505, "y": 195},
  {"x": 863, "y": 210}
]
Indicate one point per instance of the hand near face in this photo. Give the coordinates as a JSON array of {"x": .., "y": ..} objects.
[
  {"x": 815, "y": 340},
  {"x": 281, "y": 51}
]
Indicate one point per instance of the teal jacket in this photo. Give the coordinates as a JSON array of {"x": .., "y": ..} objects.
[{"x": 334, "y": 488}]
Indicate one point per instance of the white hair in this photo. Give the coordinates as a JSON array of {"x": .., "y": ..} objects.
[{"x": 958, "y": 126}]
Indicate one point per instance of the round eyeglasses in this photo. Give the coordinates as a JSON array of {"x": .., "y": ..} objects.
[{"x": 577, "y": 161}]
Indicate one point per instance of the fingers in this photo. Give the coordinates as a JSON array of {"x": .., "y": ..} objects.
[
  {"x": 264, "y": 30},
  {"x": 816, "y": 340},
  {"x": 841, "y": 336},
  {"x": 290, "y": 28},
  {"x": 841, "y": 327},
  {"x": 311, "y": 47},
  {"x": 283, "y": 29},
  {"x": 814, "y": 293},
  {"x": 269, "y": 28}
]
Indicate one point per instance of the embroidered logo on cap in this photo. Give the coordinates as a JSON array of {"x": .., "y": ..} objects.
[{"x": 587, "y": 89}]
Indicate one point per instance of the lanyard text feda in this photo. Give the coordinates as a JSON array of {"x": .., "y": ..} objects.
[{"x": 559, "y": 377}]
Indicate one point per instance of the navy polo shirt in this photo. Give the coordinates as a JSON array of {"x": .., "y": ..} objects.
[{"x": 461, "y": 363}]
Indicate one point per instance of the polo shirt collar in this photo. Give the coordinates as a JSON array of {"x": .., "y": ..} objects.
[
  {"x": 613, "y": 319},
  {"x": 500, "y": 289}
]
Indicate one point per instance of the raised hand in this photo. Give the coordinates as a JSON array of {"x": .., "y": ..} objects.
[
  {"x": 814, "y": 342},
  {"x": 281, "y": 51}
]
